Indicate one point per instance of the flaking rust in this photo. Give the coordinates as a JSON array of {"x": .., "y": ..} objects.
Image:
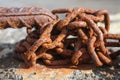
[
  {"x": 50, "y": 39},
  {"x": 29, "y": 17}
]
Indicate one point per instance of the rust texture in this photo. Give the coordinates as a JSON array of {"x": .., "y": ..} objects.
[
  {"x": 73, "y": 40},
  {"x": 28, "y": 17}
]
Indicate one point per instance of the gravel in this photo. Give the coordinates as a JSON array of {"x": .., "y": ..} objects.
[
  {"x": 9, "y": 74},
  {"x": 104, "y": 73}
]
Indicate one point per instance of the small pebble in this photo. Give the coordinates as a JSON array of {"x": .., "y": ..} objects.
[
  {"x": 118, "y": 72},
  {"x": 2, "y": 66},
  {"x": 1, "y": 70},
  {"x": 112, "y": 68},
  {"x": 11, "y": 77},
  {"x": 104, "y": 73}
]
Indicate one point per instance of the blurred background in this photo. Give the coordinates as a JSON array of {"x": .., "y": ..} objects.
[{"x": 13, "y": 35}]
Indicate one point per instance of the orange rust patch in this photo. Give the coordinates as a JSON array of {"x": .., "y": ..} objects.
[{"x": 41, "y": 72}]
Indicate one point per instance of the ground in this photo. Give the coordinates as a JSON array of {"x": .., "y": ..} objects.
[{"x": 13, "y": 69}]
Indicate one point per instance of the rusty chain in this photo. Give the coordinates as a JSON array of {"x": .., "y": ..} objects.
[{"x": 73, "y": 40}]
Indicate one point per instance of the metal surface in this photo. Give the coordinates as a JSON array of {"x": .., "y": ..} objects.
[{"x": 52, "y": 45}]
